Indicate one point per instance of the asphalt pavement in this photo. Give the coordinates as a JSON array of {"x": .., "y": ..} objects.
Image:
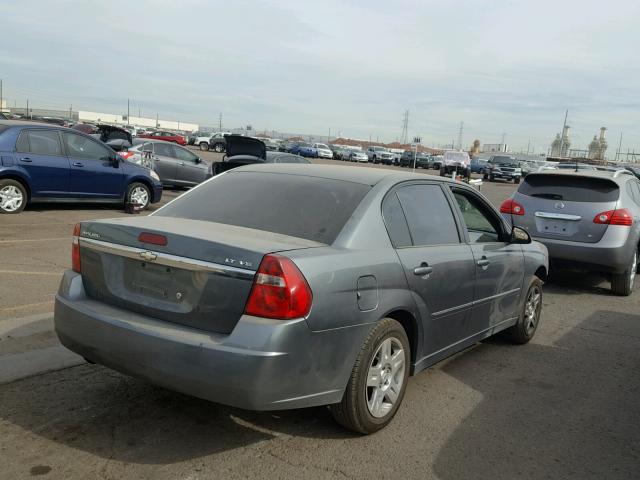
[{"x": 563, "y": 406}]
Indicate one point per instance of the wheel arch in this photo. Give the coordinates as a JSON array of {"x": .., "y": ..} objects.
[
  {"x": 145, "y": 182},
  {"x": 410, "y": 325},
  {"x": 18, "y": 178}
]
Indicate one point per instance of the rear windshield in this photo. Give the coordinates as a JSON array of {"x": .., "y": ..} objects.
[
  {"x": 569, "y": 188},
  {"x": 305, "y": 207}
]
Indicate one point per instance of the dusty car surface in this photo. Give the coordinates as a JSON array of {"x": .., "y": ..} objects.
[{"x": 285, "y": 286}]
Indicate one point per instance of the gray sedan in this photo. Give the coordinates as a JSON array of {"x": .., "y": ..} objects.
[
  {"x": 175, "y": 165},
  {"x": 284, "y": 286}
]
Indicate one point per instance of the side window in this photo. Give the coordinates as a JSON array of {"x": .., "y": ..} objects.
[
  {"x": 430, "y": 219},
  {"x": 43, "y": 142},
  {"x": 163, "y": 149},
  {"x": 79, "y": 146},
  {"x": 396, "y": 222},
  {"x": 482, "y": 225},
  {"x": 184, "y": 155},
  {"x": 22, "y": 145}
]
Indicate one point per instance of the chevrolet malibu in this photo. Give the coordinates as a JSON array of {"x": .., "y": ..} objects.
[{"x": 273, "y": 287}]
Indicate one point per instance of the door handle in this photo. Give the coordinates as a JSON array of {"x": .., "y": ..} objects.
[
  {"x": 78, "y": 164},
  {"x": 423, "y": 269},
  {"x": 483, "y": 263},
  {"x": 26, "y": 160}
]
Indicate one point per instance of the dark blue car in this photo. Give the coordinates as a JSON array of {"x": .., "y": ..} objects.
[
  {"x": 46, "y": 163},
  {"x": 478, "y": 165}
]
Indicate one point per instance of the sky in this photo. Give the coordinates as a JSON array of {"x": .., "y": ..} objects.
[{"x": 352, "y": 67}]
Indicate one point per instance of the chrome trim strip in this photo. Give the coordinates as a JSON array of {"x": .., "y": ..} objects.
[
  {"x": 558, "y": 216},
  {"x": 474, "y": 303},
  {"x": 165, "y": 259}
]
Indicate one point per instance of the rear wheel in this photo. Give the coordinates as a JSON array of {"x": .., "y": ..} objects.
[
  {"x": 204, "y": 146},
  {"x": 13, "y": 196},
  {"x": 218, "y": 147},
  {"x": 139, "y": 194},
  {"x": 622, "y": 283},
  {"x": 378, "y": 380},
  {"x": 525, "y": 329}
]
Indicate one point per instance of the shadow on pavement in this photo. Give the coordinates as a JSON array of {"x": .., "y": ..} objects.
[
  {"x": 94, "y": 409},
  {"x": 569, "y": 410},
  {"x": 578, "y": 282}
]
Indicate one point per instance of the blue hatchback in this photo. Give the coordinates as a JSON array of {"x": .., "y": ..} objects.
[{"x": 45, "y": 163}]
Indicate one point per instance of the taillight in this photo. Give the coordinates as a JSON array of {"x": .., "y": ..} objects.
[
  {"x": 126, "y": 155},
  {"x": 512, "y": 207},
  {"x": 75, "y": 249},
  {"x": 279, "y": 290},
  {"x": 622, "y": 216}
]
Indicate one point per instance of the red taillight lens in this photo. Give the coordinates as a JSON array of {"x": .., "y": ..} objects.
[
  {"x": 279, "y": 290},
  {"x": 126, "y": 154},
  {"x": 75, "y": 249},
  {"x": 621, "y": 216},
  {"x": 152, "y": 238},
  {"x": 512, "y": 207}
]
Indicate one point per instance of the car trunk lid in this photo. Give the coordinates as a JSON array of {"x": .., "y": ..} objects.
[
  {"x": 564, "y": 206},
  {"x": 200, "y": 277}
]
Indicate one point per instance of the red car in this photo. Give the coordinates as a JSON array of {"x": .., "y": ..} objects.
[{"x": 166, "y": 136}]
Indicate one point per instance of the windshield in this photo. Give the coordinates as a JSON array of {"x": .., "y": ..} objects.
[{"x": 504, "y": 160}]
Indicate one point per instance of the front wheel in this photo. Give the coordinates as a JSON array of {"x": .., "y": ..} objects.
[
  {"x": 378, "y": 380},
  {"x": 525, "y": 329},
  {"x": 516, "y": 180},
  {"x": 13, "y": 196},
  {"x": 218, "y": 147},
  {"x": 204, "y": 146},
  {"x": 139, "y": 194}
]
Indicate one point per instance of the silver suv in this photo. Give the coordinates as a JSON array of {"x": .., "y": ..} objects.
[{"x": 587, "y": 219}]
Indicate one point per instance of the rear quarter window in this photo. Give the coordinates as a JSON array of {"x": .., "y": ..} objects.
[
  {"x": 570, "y": 188},
  {"x": 305, "y": 207}
]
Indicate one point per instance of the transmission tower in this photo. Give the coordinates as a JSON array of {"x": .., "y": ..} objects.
[
  {"x": 404, "y": 136},
  {"x": 460, "y": 135}
]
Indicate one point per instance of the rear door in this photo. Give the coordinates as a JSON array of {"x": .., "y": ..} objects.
[
  {"x": 40, "y": 154},
  {"x": 499, "y": 265},
  {"x": 438, "y": 266},
  {"x": 190, "y": 169},
  {"x": 165, "y": 162},
  {"x": 564, "y": 206},
  {"x": 93, "y": 172}
]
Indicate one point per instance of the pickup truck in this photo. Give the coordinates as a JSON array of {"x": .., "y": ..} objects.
[
  {"x": 455, "y": 162},
  {"x": 503, "y": 166},
  {"x": 217, "y": 142}
]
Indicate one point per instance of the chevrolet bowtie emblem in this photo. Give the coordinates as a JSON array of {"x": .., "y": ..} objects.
[{"x": 148, "y": 256}]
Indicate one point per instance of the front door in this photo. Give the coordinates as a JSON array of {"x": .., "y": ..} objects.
[
  {"x": 191, "y": 170},
  {"x": 93, "y": 174},
  {"x": 499, "y": 264},
  {"x": 438, "y": 266},
  {"x": 39, "y": 153}
]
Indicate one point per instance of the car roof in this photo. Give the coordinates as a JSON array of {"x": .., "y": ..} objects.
[
  {"x": 618, "y": 176},
  {"x": 363, "y": 175},
  {"x": 29, "y": 123}
]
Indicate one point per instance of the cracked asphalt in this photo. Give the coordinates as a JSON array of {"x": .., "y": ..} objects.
[{"x": 563, "y": 406}]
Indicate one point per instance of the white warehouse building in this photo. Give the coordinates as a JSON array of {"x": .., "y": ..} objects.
[{"x": 97, "y": 117}]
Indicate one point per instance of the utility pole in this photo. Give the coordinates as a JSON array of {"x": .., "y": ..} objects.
[
  {"x": 128, "y": 111},
  {"x": 562, "y": 133},
  {"x": 220, "y": 123},
  {"x": 460, "y": 135},
  {"x": 157, "y": 123},
  {"x": 139, "y": 113},
  {"x": 619, "y": 147},
  {"x": 329, "y": 137},
  {"x": 28, "y": 108},
  {"x": 70, "y": 110},
  {"x": 528, "y": 145}
]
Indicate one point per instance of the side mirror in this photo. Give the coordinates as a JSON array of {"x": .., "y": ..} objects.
[
  {"x": 198, "y": 160},
  {"x": 520, "y": 235}
]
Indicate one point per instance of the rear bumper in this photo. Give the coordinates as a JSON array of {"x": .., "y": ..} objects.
[
  {"x": 262, "y": 365},
  {"x": 611, "y": 254}
]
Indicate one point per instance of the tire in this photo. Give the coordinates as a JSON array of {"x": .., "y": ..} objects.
[
  {"x": 622, "y": 283},
  {"x": 529, "y": 319},
  {"x": 516, "y": 180},
  {"x": 359, "y": 409},
  {"x": 485, "y": 176},
  {"x": 204, "y": 146},
  {"x": 375, "y": 160},
  {"x": 492, "y": 178},
  {"x": 218, "y": 148},
  {"x": 13, "y": 196},
  {"x": 140, "y": 194}
]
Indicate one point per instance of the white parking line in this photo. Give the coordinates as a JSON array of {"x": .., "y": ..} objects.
[
  {"x": 36, "y": 240},
  {"x": 18, "y": 272}
]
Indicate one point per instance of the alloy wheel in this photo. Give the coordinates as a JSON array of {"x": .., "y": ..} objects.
[
  {"x": 139, "y": 196},
  {"x": 11, "y": 198},
  {"x": 532, "y": 309},
  {"x": 385, "y": 377}
]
